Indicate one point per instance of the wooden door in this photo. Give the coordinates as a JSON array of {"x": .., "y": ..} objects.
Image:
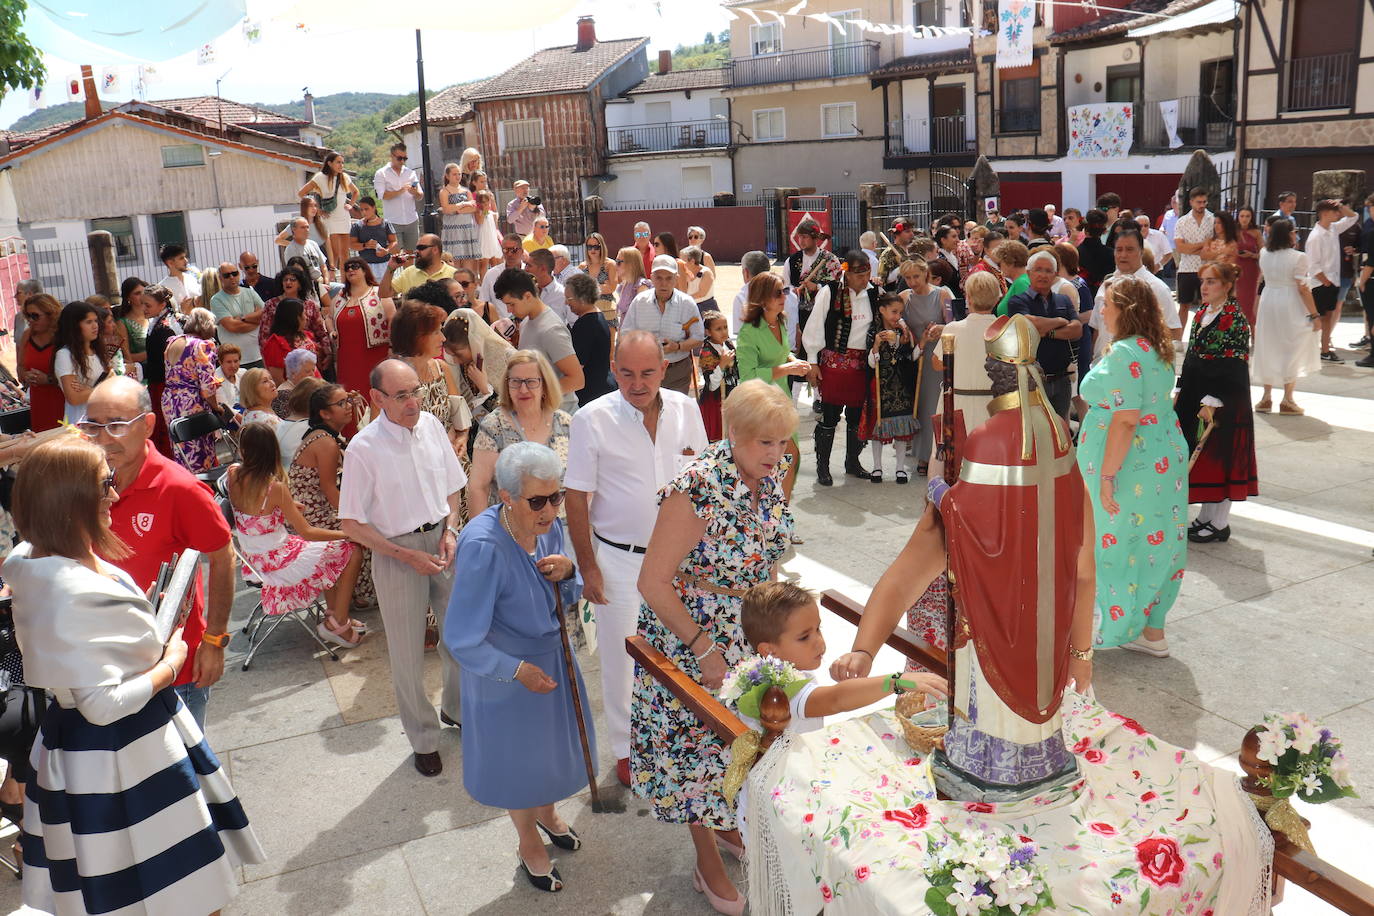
[{"x": 947, "y": 127}]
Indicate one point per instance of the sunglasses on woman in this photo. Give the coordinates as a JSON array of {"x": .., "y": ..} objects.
[
  {"x": 593, "y": 247},
  {"x": 109, "y": 485},
  {"x": 539, "y": 502}
]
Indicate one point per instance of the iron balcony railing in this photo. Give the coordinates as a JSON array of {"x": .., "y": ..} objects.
[
  {"x": 1016, "y": 121},
  {"x": 943, "y": 135},
  {"x": 1202, "y": 123},
  {"x": 852, "y": 59},
  {"x": 667, "y": 135},
  {"x": 1323, "y": 81}
]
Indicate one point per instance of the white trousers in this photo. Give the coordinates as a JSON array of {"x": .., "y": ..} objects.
[{"x": 614, "y": 622}]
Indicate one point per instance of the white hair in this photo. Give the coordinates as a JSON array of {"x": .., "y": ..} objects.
[
  {"x": 1043, "y": 255},
  {"x": 526, "y": 459},
  {"x": 1049, "y": 208},
  {"x": 559, "y": 251},
  {"x": 868, "y": 240},
  {"x": 296, "y": 359},
  {"x": 697, "y": 230}
]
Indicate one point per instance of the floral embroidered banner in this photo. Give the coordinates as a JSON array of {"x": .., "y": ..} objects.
[
  {"x": 1015, "y": 33},
  {"x": 1101, "y": 131}
]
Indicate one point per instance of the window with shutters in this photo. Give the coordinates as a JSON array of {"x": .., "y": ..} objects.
[
  {"x": 527, "y": 133},
  {"x": 769, "y": 124},
  {"x": 182, "y": 155},
  {"x": 839, "y": 120}
]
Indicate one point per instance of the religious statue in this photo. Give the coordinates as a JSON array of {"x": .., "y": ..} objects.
[{"x": 1018, "y": 528}]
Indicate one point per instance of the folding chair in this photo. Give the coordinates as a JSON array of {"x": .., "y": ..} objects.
[
  {"x": 204, "y": 423},
  {"x": 261, "y": 625}
]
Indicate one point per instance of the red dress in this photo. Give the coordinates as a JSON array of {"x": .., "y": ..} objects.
[
  {"x": 276, "y": 347},
  {"x": 356, "y": 358},
  {"x": 46, "y": 404},
  {"x": 1247, "y": 284}
]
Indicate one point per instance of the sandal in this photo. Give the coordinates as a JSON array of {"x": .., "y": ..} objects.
[
  {"x": 1291, "y": 409},
  {"x": 901, "y": 477},
  {"x": 550, "y": 881},
  {"x": 331, "y": 632},
  {"x": 431, "y": 638},
  {"x": 568, "y": 839},
  {"x": 923, "y": 469},
  {"x": 1264, "y": 406}
]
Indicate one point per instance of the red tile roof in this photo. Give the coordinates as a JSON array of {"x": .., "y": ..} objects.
[
  {"x": 446, "y": 107},
  {"x": 210, "y": 108},
  {"x": 558, "y": 70},
  {"x": 679, "y": 80}
]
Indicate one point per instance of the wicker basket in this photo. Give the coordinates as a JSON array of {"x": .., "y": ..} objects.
[{"x": 925, "y": 736}]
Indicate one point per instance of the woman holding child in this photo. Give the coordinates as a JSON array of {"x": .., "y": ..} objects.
[{"x": 723, "y": 525}]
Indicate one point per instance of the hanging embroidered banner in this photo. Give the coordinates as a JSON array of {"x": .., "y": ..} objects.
[
  {"x": 1101, "y": 131},
  {"x": 1015, "y": 33},
  {"x": 1168, "y": 113}
]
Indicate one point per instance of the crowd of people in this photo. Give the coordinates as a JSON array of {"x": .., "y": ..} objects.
[{"x": 470, "y": 433}]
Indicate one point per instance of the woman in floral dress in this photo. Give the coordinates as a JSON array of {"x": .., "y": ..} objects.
[
  {"x": 723, "y": 525},
  {"x": 191, "y": 388},
  {"x": 1135, "y": 464}
]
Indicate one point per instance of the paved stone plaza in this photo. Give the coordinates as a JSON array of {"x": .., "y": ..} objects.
[{"x": 1278, "y": 618}]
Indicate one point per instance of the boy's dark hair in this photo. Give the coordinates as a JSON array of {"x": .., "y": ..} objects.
[
  {"x": 1108, "y": 201},
  {"x": 514, "y": 282},
  {"x": 767, "y": 607},
  {"x": 169, "y": 251}
]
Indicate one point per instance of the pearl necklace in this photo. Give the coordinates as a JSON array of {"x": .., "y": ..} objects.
[{"x": 505, "y": 523}]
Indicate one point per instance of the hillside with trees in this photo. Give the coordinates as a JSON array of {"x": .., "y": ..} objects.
[{"x": 714, "y": 51}]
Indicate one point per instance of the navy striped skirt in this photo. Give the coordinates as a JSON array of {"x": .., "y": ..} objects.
[{"x": 134, "y": 817}]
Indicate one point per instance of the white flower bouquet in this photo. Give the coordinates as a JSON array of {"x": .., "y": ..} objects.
[
  {"x": 747, "y": 682},
  {"x": 1307, "y": 759},
  {"x": 985, "y": 873}
]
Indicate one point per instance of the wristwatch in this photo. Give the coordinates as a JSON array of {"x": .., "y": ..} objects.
[
  {"x": 218, "y": 640},
  {"x": 452, "y": 530}
]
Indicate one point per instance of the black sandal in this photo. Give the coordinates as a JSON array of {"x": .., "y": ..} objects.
[
  {"x": 875, "y": 476},
  {"x": 923, "y": 469},
  {"x": 550, "y": 882},
  {"x": 569, "y": 841},
  {"x": 901, "y": 477}
]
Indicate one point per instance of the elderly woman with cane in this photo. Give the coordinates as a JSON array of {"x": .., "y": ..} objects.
[{"x": 527, "y": 743}]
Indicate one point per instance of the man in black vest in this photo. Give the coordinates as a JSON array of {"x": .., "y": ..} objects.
[
  {"x": 836, "y": 340},
  {"x": 810, "y": 268}
]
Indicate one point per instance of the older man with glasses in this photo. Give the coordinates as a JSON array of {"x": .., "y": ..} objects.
[
  {"x": 161, "y": 511},
  {"x": 399, "y": 189},
  {"x": 401, "y": 482},
  {"x": 512, "y": 257},
  {"x": 539, "y": 237},
  {"x": 238, "y": 312},
  {"x": 266, "y": 287}
]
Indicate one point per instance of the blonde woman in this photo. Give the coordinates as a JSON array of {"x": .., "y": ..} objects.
[
  {"x": 972, "y": 386},
  {"x": 629, "y": 269},
  {"x": 529, "y": 412},
  {"x": 256, "y": 391}
]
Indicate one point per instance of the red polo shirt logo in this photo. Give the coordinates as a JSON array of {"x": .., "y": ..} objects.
[{"x": 143, "y": 521}]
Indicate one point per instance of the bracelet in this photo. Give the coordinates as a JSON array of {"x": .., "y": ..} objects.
[
  {"x": 163, "y": 661},
  {"x": 693, "y": 641},
  {"x": 864, "y": 651},
  {"x": 1080, "y": 654},
  {"x": 709, "y": 649},
  {"x": 516, "y": 675}
]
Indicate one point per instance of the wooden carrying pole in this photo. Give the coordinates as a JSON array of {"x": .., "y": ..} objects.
[
  {"x": 571, "y": 671},
  {"x": 951, "y": 472}
]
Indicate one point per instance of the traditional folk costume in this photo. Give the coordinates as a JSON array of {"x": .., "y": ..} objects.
[
  {"x": 1216, "y": 372},
  {"x": 822, "y": 267},
  {"x": 835, "y": 339},
  {"x": 889, "y": 415},
  {"x": 888, "y": 262},
  {"x": 717, "y": 383}
]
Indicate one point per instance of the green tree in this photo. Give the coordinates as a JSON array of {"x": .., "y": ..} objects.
[
  {"x": 21, "y": 64},
  {"x": 710, "y": 38}
]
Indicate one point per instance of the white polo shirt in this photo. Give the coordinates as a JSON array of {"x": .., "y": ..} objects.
[
  {"x": 613, "y": 460},
  {"x": 397, "y": 479},
  {"x": 1163, "y": 296}
]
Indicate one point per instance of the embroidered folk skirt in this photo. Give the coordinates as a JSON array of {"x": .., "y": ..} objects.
[{"x": 844, "y": 377}]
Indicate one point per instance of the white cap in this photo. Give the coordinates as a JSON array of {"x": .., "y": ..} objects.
[
  {"x": 665, "y": 262},
  {"x": 519, "y": 182}
]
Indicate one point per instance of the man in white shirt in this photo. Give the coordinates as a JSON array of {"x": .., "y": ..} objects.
[
  {"x": 1130, "y": 262},
  {"x": 563, "y": 267},
  {"x": 625, "y": 447},
  {"x": 550, "y": 290},
  {"x": 182, "y": 279},
  {"x": 399, "y": 188},
  {"x": 512, "y": 258},
  {"x": 1324, "y": 262},
  {"x": 752, "y": 265},
  {"x": 1169, "y": 220},
  {"x": 1057, "y": 228},
  {"x": 1193, "y": 230},
  {"x": 401, "y": 483},
  {"x": 837, "y": 348},
  {"x": 1157, "y": 242},
  {"x": 672, "y": 317},
  {"x": 238, "y": 312}
]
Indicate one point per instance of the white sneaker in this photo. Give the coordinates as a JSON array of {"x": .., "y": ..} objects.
[{"x": 1159, "y": 648}]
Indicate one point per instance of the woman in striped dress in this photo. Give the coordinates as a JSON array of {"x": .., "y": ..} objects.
[{"x": 128, "y": 809}]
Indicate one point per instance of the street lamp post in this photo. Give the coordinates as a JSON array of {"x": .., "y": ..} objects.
[{"x": 427, "y": 219}]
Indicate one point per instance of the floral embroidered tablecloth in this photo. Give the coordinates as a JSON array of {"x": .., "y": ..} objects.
[{"x": 1138, "y": 833}]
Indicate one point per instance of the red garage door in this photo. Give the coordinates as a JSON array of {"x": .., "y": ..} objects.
[
  {"x": 1143, "y": 192},
  {"x": 1025, "y": 190}
]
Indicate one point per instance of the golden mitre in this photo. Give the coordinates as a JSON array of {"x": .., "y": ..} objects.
[{"x": 1012, "y": 339}]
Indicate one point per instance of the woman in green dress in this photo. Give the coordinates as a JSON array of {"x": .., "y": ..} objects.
[
  {"x": 131, "y": 323},
  {"x": 1135, "y": 464},
  {"x": 761, "y": 350}
]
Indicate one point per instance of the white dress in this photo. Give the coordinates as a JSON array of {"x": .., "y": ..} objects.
[
  {"x": 1286, "y": 347},
  {"x": 489, "y": 237},
  {"x": 338, "y": 222},
  {"x": 129, "y": 810}
]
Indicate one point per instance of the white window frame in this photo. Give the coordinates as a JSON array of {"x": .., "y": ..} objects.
[
  {"x": 853, "y": 119},
  {"x": 758, "y": 135},
  {"x": 182, "y": 148},
  {"x": 710, "y": 182},
  {"x": 851, "y": 34},
  {"x": 503, "y": 129},
  {"x": 756, "y": 33},
  {"x": 939, "y": 13}
]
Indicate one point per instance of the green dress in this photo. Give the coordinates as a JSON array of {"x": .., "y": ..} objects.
[
  {"x": 758, "y": 353},
  {"x": 1141, "y": 552}
]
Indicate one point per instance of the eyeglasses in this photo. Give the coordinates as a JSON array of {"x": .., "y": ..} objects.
[
  {"x": 620, "y": 260},
  {"x": 342, "y": 402},
  {"x": 116, "y": 428},
  {"x": 423, "y": 247},
  {"x": 593, "y": 247},
  {"x": 228, "y": 274},
  {"x": 509, "y": 250},
  {"x": 250, "y": 267},
  {"x": 32, "y": 316},
  {"x": 539, "y": 502},
  {"x": 464, "y": 285},
  {"x": 408, "y": 394},
  {"x": 348, "y": 267},
  {"x": 529, "y": 384},
  {"x": 109, "y": 486},
  {"x": 400, "y": 158}
]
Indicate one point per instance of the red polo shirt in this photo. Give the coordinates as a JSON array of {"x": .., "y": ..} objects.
[{"x": 167, "y": 511}]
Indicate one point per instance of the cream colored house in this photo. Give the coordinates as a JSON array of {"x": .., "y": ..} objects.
[{"x": 150, "y": 176}]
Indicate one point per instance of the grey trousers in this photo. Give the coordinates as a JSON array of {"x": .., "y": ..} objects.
[
  {"x": 404, "y": 595},
  {"x": 408, "y": 235}
]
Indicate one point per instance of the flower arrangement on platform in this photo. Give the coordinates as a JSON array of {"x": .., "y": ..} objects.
[
  {"x": 985, "y": 873},
  {"x": 747, "y": 682},
  {"x": 1307, "y": 759}
]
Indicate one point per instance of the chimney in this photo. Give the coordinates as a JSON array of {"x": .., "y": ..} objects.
[
  {"x": 309, "y": 106},
  {"x": 586, "y": 33},
  {"x": 665, "y": 61},
  {"x": 93, "y": 109}
]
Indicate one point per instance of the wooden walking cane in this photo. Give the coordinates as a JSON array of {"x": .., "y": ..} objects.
[
  {"x": 578, "y": 713},
  {"x": 951, "y": 472}
]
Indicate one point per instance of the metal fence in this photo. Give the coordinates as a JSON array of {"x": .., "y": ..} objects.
[
  {"x": 849, "y": 59},
  {"x": 1320, "y": 81},
  {"x": 920, "y": 136},
  {"x": 1201, "y": 123},
  {"x": 668, "y": 135}
]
